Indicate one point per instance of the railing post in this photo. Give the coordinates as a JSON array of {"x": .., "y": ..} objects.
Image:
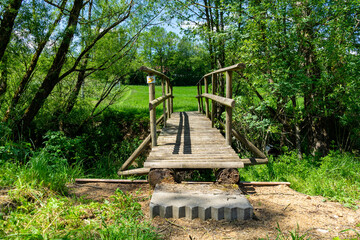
[
  {"x": 228, "y": 109},
  {"x": 213, "y": 84},
  {"x": 198, "y": 93},
  {"x": 206, "y": 100},
  {"x": 201, "y": 99},
  {"x": 152, "y": 115},
  {"x": 169, "y": 100},
  {"x": 171, "y": 110},
  {"x": 164, "y": 103}
]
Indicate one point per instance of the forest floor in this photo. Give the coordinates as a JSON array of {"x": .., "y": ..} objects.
[{"x": 278, "y": 210}]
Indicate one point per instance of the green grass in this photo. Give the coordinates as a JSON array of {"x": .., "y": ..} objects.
[
  {"x": 136, "y": 98},
  {"x": 41, "y": 214},
  {"x": 335, "y": 176}
]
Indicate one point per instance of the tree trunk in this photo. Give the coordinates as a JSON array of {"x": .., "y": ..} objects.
[
  {"x": 6, "y": 27},
  {"x": 26, "y": 78},
  {"x": 7, "y": 24},
  {"x": 52, "y": 78},
  {"x": 317, "y": 136}
]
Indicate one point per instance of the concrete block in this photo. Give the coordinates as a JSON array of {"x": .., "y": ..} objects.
[{"x": 204, "y": 201}]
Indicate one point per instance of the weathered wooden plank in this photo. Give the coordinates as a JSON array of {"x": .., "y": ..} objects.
[
  {"x": 191, "y": 157},
  {"x": 196, "y": 160},
  {"x": 246, "y": 161},
  {"x": 92, "y": 180},
  {"x": 193, "y": 165},
  {"x": 162, "y": 156}
]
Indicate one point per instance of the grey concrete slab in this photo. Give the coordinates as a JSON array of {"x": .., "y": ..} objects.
[{"x": 204, "y": 201}]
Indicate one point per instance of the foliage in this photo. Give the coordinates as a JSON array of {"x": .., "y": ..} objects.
[
  {"x": 51, "y": 216},
  {"x": 334, "y": 176},
  {"x": 181, "y": 59}
]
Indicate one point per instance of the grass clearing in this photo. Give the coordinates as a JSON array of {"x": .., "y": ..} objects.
[{"x": 136, "y": 98}]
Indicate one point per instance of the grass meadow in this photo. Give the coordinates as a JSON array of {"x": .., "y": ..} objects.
[{"x": 136, "y": 98}]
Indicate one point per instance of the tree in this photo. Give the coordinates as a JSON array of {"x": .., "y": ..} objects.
[{"x": 6, "y": 27}]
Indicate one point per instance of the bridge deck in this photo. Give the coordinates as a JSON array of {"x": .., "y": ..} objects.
[{"x": 189, "y": 141}]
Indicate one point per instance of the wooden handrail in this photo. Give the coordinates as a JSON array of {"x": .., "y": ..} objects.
[
  {"x": 227, "y": 101},
  {"x": 152, "y": 71},
  {"x": 227, "y": 69},
  {"x": 222, "y": 100},
  {"x": 158, "y": 101}
]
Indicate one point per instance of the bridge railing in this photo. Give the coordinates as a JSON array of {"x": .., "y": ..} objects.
[
  {"x": 166, "y": 99},
  {"x": 227, "y": 101}
]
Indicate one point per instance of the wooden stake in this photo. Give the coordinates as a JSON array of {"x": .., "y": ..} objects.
[
  {"x": 164, "y": 103},
  {"x": 206, "y": 100},
  {"x": 228, "y": 109},
  {"x": 213, "y": 84},
  {"x": 198, "y": 97},
  {"x": 169, "y": 100},
  {"x": 152, "y": 115}
]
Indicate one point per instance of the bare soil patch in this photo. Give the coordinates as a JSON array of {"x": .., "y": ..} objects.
[{"x": 273, "y": 206}]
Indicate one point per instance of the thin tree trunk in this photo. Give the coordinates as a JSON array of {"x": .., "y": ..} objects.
[
  {"x": 52, "y": 78},
  {"x": 6, "y": 27},
  {"x": 75, "y": 91},
  {"x": 26, "y": 78},
  {"x": 7, "y": 24},
  {"x": 297, "y": 130}
]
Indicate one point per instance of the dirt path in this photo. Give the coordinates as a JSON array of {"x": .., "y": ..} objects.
[{"x": 273, "y": 206}]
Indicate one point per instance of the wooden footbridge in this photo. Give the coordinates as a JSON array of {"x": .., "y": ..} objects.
[{"x": 189, "y": 140}]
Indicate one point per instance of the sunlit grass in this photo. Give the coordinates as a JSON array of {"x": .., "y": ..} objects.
[{"x": 136, "y": 99}]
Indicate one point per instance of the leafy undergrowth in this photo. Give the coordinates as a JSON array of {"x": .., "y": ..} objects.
[
  {"x": 38, "y": 205},
  {"x": 41, "y": 214},
  {"x": 335, "y": 176}
]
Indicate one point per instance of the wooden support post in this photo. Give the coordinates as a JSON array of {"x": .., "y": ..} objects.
[
  {"x": 164, "y": 103},
  {"x": 171, "y": 110},
  {"x": 201, "y": 99},
  {"x": 152, "y": 115},
  {"x": 228, "y": 126},
  {"x": 206, "y": 100},
  {"x": 213, "y": 84},
  {"x": 198, "y": 97},
  {"x": 169, "y": 100}
]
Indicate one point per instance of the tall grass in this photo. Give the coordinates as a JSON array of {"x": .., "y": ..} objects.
[
  {"x": 335, "y": 176},
  {"x": 56, "y": 217}
]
